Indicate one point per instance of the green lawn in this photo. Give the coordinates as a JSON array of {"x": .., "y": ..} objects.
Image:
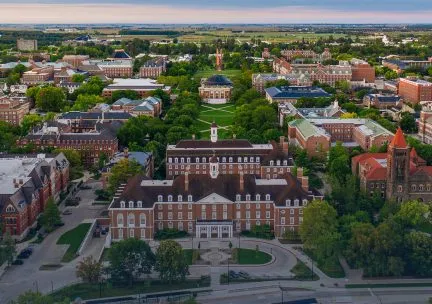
[
  {"x": 207, "y": 73},
  {"x": 252, "y": 257},
  {"x": 91, "y": 291},
  {"x": 73, "y": 238},
  {"x": 303, "y": 273},
  {"x": 221, "y": 114}
]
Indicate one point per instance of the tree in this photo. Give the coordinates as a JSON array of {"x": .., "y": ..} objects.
[
  {"x": 51, "y": 99},
  {"x": 32, "y": 92},
  {"x": 277, "y": 83},
  {"x": 8, "y": 248},
  {"x": 122, "y": 171},
  {"x": 51, "y": 216},
  {"x": 391, "y": 75},
  {"x": 421, "y": 251},
  {"x": 408, "y": 123},
  {"x": 85, "y": 102},
  {"x": 130, "y": 259},
  {"x": 319, "y": 229},
  {"x": 171, "y": 262},
  {"x": 412, "y": 214},
  {"x": 89, "y": 270},
  {"x": 29, "y": 122},
  {"x": 116, "y": 95},
  {"x": 78, "y": 78},
  {"x": 31, "y": 297}
]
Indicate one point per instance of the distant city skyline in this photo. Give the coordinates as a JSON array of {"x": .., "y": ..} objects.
[{"x": 221, "y": 11}]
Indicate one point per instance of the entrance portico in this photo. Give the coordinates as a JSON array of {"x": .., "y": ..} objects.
[{"x": 213, "y": 229}]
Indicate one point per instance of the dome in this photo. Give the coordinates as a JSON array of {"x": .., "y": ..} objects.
[{"x": 218, "y": 80}]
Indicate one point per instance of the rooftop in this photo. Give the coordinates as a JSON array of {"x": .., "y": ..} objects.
[{"x": 295, "y": 92}]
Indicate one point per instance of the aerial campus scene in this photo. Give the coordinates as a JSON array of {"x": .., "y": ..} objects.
[{"x": 185, "y": 151}]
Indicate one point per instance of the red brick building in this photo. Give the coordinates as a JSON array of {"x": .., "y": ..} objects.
[
  {"x": 399, "y": 174},
  {"x": 27, "y": 182},
  {"x": 415, "y": 90},
  {"x": 361, "y": 70},
  {"x": 153, "y": 68},
  {"x": 75, "y": 60},
  {"x": 13, "y": 110},
  {"x": 90, "y": 139}
]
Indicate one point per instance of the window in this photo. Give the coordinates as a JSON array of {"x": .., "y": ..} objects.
[
  {"x": 225, "y": 207},
  {"x": 139, "y": 204},
  {"x": 170, "y": 198},
  {"x": 230, "y": 159},
  {"x": 203, "y": 159},
  {"x": 180, "y": 206},
  {"x": 271, "y": 163},
  {"x": 122, "y": 204},
  {"x": 291, "y": 221},
  {"x": 182, "y": 160},
  {"x": 238, "y": 197},
  {"x": 239, "y": 159},
  {"x": 421, "y": 187},
  {"x": 120, "y": 220},
  {"x": 300, "y": 211},
  {"x": 131, "y": 220},
  {"x": 180, "y": 215},
  {"x": 189, "y": 198},
  {"x": 170, "y": 160},
  {"x": 190, "y": 226},
  {"x": 238, "y": 215},
  {"x": 400, "y": 188},
  {"x": 120, "y": 234},
  {"x": 248, "y": 214},
  {"x": 131, "y": 233},
  {"x": 296, "y": 203},
  {"x": 160, "y": 207},
  {"x": 170, "y": 207},
  {"x": 170, "y": 225},
  {"x": 258, "y": 214},
  {"x": 224, "y": 159},
  {"x": 188, "y": 160},
  {"x": 190, "y": 206},
  {"x": 214, "y": 216},
  {"x": 238, "y": 206},
  {"x": 170, "y": 215},
  {"x": 180, "y": 226},
  {"x": 225, "y": 215},
  {"x": 267, "y": 206},
  {"x": 248, "y": 206},
  {"x": 248, "y": 197},
  {"x": 267, "y": 214},
  {"x": 300, "y": 219},
  {"x": 160, "y": 215},
  {"x": 214, "y": 207},
  {"x": 257, "y": 206},
  {"x": 160, "y": 198},
  {"x": 257, "y": 159},
  {"x": 257, "y": 197},
  {"x": 142, "y": 220},
  {"x": 291, "y": 211},
  {"x": 10, "y": 209},
  {"x": 282, "y": 220},
  {"x": 288, "y": 202},
  {"x": 189, "y": 215},
  {"x": 197, "y": 160},
  {"x": 179, "y": 198},
  {"x": 267, "y": 197},
  {"x": 131, "y": 204},
  {"x": 305, "y": 201},
  {"x": 143, "y": 233},
  {"x": 176, "y": 160}
]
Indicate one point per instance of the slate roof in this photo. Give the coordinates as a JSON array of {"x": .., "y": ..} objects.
[
  {"x": 207, "y": 144},
  {"x": 96, "y": 115},
  {"x": 218, "y": 80},
  {"x": 296, "y": 92},
  {"x": 201, "y": 186}
]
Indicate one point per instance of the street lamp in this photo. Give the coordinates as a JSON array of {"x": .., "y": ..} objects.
[{"x": 281, "y": 293}]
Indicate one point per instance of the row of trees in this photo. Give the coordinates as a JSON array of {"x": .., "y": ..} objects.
[{"x": 131, "y": 259}]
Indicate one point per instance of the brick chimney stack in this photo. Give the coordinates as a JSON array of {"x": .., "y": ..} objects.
[
  {"x": 305, "y": 183},
  {"x": 299, "y": 173},
  {"x": 241, "y": 181},
  {"x": 186, "y": 181}
]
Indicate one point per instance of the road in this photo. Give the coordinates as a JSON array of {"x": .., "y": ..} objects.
[
  {"x": 28, "y": 276},
  {"x": 272, "y": 294}
]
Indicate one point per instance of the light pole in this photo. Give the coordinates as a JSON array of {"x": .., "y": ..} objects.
[
  {"x": 281, "y": 293},
  {"x": 228, "y": 272}
]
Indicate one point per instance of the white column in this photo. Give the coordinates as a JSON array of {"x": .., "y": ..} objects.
[
  {"x": 230, "y": 229},
  {"x": 208, "y": 231},
  {"x": 219, "y": 232},
  {"x": 197, "y": 231}
]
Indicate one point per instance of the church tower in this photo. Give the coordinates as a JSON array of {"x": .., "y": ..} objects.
[
  {"x": 398, "y": 163},
  {"x": 219, "y": 59}
]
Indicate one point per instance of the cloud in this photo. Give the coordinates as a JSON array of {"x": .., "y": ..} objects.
[{"x": 164, "y": 13}]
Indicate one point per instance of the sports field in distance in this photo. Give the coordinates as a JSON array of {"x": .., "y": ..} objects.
[{"x": 221, "y": 114}]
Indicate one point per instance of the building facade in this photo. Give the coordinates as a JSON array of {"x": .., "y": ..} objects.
[
  {"x": 153, "y": 68},
  {"x": 27, "y": 45},
  {"x": 27, "y": 182},
  {"x": 291, "y": 94},
  {"x": 216, "y": 89},
  {"x": 400, "y": 174},
  {"x": 415, "y": 90},
  {"x": 142, "y": 86},
  {"x": 361, "y": 70},
  {"x": 13, "y": 110}
]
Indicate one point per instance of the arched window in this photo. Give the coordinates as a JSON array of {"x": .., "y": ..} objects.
[
  {"x": 257, "y": 197},
  {"x": 179, "y": 198},
  {"x": 122, "y": 204},
  {"x": 120, "y": 220},
  {"x": 189, "y": 198},
  {"x": 238, "y": 197},
  {"x": 131, "y": 220},
  {"x": 271, "y": 163},
  {"x": 170, "y": 160},
  {"x": 176, "y": 160},
  {"x": 224, "y": 159},
  {"x": 413, "y": 187},
  {"x": 245, "y": 159},
  {"x": 257, "y": 159},
  {"x": 267, "y": 197},
  {"x": 188, "y": 160},
  {"x": 10, "y": 209},
  {"x": 139, "y": 204},
  {"x": 305, "y": 201},
  {"x": 230, "y": 159},
  {"x": 182, "y": 160},
  {"x": 142, "y": 220},
  {"x": 197, "y": 160},
  {"x": 239, "y": 160},
  {"x": 131, "y": 204},
  {"x": 169, "y": 198},
  {"x": 203, "y": 159},
  {"x": 248, "y": 197},
  {"x": 160, "y": 198},
  {"x": 421, "y": 188}
]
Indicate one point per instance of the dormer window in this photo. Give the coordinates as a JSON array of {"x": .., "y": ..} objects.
[
  {"x": 248, "y": 197},
  {"x": 239, "y": 160},
  {"x": 267, "y": 197},
  {"x": 224, "y": 159},
  {"x": 176, "y": 160},
  {"x": 197, "y": 160},
  {"x": 285, "y": 162},
  {"x": 160, "y": 198},
  {"x": 170, "y": 160},
  {"x": 203, "y": 159},
  {"x": 278, "y": 162},
  {"x": 230, "y": 159},
  {"x": 189, "y": 198},
  {"x": 180, "y": 198},
  {"x": 10, "y": 209},
  {"x": 131, "y": 204},
  {"x": 139, "y": 204},
  {"x": 182, "y": 160},
  {"x": 257, "y": 197},
  {"x": 170, "y": 198},
  {"x": 245, "y": 159},
  {"x": 288, "y": 202},
  {"x": 238, "y": 197},
  {"x": 188, "y": 160},
  {"x": 257, "y": 159},
  {"x": 271, "y": 163},
  {"x": 305, "y": 202},
  {"x": 251, "y": 159},
  {"x": 122, "y": 204},
  {"x": 296, "y": 203}
]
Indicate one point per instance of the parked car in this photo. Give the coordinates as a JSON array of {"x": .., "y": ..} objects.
[
  {"x": 244, "y": 275},
  {"x": 85, "y": 187},
  {"x": 18, "y": 262},
  {"x": 24, "y": 254},
  {"x": 67, "y": 212}
]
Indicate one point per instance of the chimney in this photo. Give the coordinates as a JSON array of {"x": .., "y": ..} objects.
[
  {"x": 285, "y": 147},
  {"x": 241, "y": 181},
  {"x": 281, "y": 140},
  {"x": 186, "y": 181},
  {"x": 305, "y": 183},
  {"x": 299, "y": 173},
  {"x": 126, "y": 152}
]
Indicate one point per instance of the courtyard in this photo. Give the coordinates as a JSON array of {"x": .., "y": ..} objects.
[{"x": 222, "y": 115}]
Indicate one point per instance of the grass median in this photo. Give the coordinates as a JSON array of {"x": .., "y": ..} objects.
[{"x": 73, "y": 238}]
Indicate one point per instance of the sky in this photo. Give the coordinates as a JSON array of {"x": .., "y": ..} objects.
[{"x": 216, "y": 11}]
